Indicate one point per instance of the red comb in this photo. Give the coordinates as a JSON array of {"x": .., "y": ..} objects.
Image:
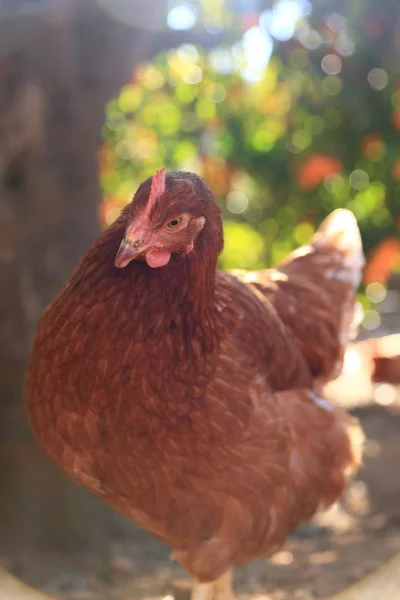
[{"x": 157, "y": 188}]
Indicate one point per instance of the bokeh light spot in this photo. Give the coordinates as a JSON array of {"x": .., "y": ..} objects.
[
  {"x": 334, "y": 184},
  {"x": 378, "y": 79},
  {"x": 192, "y": 74},
  {"x": 331, "y": 64},
  {"x": 115, "y": 121},
  {"x": 344, "y": 45},
  {"x": 359, "y": 179},
  {"x": 130, "y": 98},
  {"x": 384, "y": 394},
  {"x": 315, "y": 124},
  {"x": 237, "y": 202},
  {"x": 372, "y": 320},
  {"x": 336, "y": 22},
  {"x": 303, "y": 233},
  {"x": 125, "y": 150},
  {"x": 376, "y": 292},
  {"x": 221, "y": 60},
  {"x": 332, "y": 85},
  {"x": 215, "y": 92},
  {"x": 188, "y": 53},
  {"x": 301, "y": 139},
  {"x": 308, "y": 37},
  {"x": 396, "y": 170},
  {"x": 182, "y": 17},
  {"x": 373, "y": 147},
  {"x": 395, "y": 99}
]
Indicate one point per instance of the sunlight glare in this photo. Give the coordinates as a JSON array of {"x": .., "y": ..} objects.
[
  {"x": 281, "y": 21},
  {"x": 182, "y": 17},
  {"x": 257, "y": 46}
]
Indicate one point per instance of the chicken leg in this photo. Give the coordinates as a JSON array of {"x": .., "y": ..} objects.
[{"x": 220, "y": 589}]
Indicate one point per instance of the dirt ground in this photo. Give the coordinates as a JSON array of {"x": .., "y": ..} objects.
[{"x": 320, "y": 559}]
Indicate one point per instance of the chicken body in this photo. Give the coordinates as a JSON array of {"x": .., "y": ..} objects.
[{"x": 187, "y": 398}]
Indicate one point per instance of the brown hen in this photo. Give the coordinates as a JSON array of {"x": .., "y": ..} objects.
[{"x": 187, "y": 398}]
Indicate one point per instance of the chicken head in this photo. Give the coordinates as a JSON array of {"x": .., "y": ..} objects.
[{"x": 164, "y": 220}]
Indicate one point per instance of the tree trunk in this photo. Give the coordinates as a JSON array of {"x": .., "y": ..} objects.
[{"x": 59, "y": 64}]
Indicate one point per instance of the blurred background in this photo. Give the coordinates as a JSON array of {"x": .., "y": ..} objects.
[{"x": 289, "y": 109}]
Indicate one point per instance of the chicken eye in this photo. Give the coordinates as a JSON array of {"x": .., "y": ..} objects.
[{"x": 174, "y": 223}]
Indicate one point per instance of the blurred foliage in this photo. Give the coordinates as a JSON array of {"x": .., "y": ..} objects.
[{"x": 315, "y": 127}]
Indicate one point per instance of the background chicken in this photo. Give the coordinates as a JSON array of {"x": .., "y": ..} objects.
[
  {"x": 380, "y": 357},
  {"x": 188, "y": 398}
]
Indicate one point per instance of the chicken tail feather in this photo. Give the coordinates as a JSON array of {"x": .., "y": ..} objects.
[
  {"x": 339, "y": 232},
  {"x": 323, "y": 277}
]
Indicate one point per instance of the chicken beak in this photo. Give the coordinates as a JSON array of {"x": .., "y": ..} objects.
[{"x": 128, "y": 250}]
